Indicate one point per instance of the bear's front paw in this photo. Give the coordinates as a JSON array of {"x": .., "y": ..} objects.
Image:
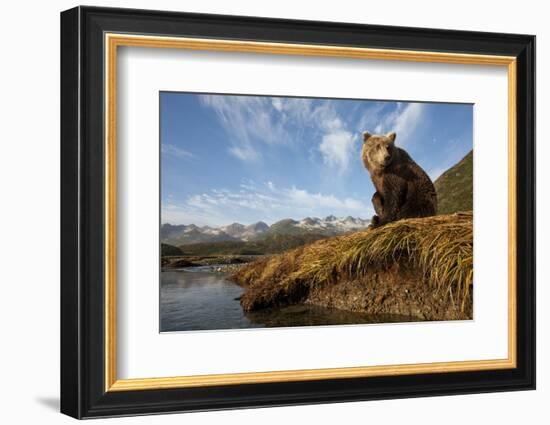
[{"x": 374, "y": 222}]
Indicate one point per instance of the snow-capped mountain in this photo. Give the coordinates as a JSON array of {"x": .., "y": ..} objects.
[
  {"x": 328, "y": 226},
  {"x": 245, "y": 233},
  {"x": 332, "y": 223}
]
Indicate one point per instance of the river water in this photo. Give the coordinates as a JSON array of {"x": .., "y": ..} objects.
[{"x": 199, "y": 299}]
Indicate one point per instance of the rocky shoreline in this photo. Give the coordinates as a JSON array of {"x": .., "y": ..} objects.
[{"x": 217, "y": 264}]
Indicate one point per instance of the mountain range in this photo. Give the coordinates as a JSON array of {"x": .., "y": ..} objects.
[{"x": 190, "y": 234}]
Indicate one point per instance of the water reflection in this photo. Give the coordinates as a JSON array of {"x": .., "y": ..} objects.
[{"x": 199, "y": 299}]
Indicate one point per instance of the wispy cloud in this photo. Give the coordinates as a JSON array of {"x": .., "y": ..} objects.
[
  {"x": 250, "y": 201},
  {"x": 337, "y": 143},
  {"x": 369, "y": 117},
  {"x": 337, "y": 148},
  {"x": 403, "y": 121},
  {"x": 174, "y": 151},
  {"x": 245, "y": 153},
  {"x": 247, "y": 121},
  {"x": 253, "y": 121}
]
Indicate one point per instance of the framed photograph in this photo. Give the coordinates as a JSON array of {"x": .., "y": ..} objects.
[{"x": 261, "y": 212}]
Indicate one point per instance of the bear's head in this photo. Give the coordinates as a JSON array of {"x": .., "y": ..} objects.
[{"x": 378, "y": 150}]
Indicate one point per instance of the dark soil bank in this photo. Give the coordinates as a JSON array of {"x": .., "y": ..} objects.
[{"x": 390, "y": 294}]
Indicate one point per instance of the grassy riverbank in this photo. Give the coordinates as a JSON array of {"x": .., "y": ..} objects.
[{"x": 417, "y": 267}]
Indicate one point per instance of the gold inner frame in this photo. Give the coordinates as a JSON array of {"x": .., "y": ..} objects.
[{"x": 113, "y": 41}]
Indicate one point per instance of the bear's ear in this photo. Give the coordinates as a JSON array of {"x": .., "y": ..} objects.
[
  {"x": 391, "y": 136},
  {"x": 366, "y": 136}
]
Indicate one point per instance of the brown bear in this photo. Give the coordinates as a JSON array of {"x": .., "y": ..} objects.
[{"x": 403, "y": 189}]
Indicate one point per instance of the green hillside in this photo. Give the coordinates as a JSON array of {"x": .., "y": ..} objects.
[
  {"x": 271, "y": 244},
  {"x": 455, "y": 187},
  {"x": 169, "y": 250}
]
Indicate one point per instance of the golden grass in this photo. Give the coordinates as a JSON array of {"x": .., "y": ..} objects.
[{"x": 439, "y": 248}]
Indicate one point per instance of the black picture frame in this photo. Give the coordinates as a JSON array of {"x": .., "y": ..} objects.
[{"x": 83, "y": 392}]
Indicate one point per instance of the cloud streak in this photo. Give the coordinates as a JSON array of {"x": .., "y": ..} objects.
[
  {"x": 174, "y": 151},
  {"x": 337, "y": 148},
  {"x": 403, "y": 121},
  {"x": 272, "y": 203},
  {"x": 248, "y": 121}
]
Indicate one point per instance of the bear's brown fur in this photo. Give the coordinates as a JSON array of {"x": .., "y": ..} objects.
[{"x": 403, "y": 189}]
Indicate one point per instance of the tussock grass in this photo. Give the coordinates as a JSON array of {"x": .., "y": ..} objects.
[{"x": 439, "y": 249}]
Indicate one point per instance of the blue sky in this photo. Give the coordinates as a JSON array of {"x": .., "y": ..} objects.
[{"x": 227, "y": 158}]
